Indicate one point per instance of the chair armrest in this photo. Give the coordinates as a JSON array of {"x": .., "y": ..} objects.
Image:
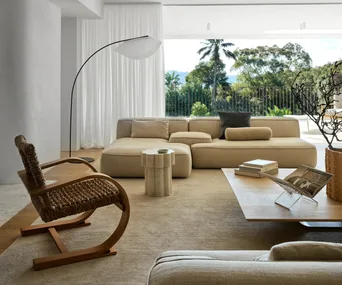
[
  {"x": 67, "y": 160},
  {"x": 60, "y": 184},
  {"x": 218, "y": 272}
]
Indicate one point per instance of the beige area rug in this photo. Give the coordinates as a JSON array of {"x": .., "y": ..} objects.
[
  {"x": 202, "y": 213},
  {"x": 12, "y": 199}
]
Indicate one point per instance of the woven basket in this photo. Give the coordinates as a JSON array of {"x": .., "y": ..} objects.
[{"x": 333, "y": 164}]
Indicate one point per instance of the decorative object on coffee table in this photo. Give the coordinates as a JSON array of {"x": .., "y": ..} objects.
[
  {"x": 305, "y": 181},
  {"x": 325, "y": 92},
  {"x": 158, "y": 171},
  {"x": 135, "y": 48},
  {"x": 257, "y": 167}
]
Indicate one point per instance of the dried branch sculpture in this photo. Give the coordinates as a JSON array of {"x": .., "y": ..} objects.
[{"x": 328, "y": 121}]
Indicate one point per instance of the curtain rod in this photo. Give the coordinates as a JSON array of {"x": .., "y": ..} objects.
[
  {"x": 254, "y": 4},
  {"x": 228, "y": 4}
]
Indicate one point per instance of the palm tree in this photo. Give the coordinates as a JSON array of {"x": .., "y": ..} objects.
[
  {"x": 172, "y": 80},
  {"x": 212, "y": 48}
]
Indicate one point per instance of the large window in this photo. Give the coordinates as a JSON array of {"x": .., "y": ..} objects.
[{"x": 206, "y": 76}]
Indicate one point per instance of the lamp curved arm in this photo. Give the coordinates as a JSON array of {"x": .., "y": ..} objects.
[{"x": 77, "y": 74}]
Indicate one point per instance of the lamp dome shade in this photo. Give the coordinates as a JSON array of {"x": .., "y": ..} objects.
[{"x": 139, "y": 48}]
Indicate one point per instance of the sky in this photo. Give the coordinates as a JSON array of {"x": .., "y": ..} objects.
[{"x": 181, "y": 55}]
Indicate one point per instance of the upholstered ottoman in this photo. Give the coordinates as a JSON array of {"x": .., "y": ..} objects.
[{"x": 123, "y": 157}]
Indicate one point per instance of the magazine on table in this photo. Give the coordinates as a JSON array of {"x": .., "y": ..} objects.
[{"x": 305, "y": 180}]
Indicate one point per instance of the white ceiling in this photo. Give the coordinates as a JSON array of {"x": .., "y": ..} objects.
[
  {"x": 213, "y": 2},
  {"x": 250, "y": 21}
]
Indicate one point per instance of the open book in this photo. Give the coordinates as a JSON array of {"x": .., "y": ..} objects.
[{"x": 304, "y": 180}]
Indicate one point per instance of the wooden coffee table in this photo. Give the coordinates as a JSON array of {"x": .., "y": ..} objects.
[{"x": 256, "y": 197}]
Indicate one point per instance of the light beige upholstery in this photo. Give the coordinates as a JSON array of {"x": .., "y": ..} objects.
[
  {"x": 238, "y": 268},
  {"x": 248, "y": 134},
  {"x": 308, "y": 250},
  {"x": 190, "y": 138},
  {"x": 280, "y": 126},
  {"x": 150, "y": 129},
  {"x": 123, "y": 157},
  {"x": 289, "y": 152},
  {"x": 124, "y": 126}
]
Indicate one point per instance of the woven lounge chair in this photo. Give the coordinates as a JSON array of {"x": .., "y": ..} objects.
[{"x": 83, "y": 194}]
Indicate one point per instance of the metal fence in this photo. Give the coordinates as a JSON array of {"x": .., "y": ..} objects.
[{"x": 256, "y": 101}]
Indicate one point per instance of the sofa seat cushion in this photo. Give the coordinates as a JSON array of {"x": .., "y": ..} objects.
[
  {"x": 289, "y": 152},
  {"x": 123, "y": 157},
  {"x": 190, "y": 138}
]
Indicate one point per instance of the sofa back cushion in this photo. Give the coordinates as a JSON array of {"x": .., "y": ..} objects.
[
  {"x": 150, "y": 129},
  {"x": 124, "y": 126},
  {"x": 280, "y": 126}
]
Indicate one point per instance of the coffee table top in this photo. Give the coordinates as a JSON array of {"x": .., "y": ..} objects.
[{"x": 256, "y": 197}]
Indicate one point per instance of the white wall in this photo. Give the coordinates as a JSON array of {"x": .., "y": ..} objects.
[
  {"x": 69, "y": 69},
  {"x": 30, "y": 60}
]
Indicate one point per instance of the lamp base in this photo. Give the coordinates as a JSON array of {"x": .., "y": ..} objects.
[{"x": 87, "y": 159}]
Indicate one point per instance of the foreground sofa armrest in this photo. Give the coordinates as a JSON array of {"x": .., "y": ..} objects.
[{"x": 218, "y": 272}]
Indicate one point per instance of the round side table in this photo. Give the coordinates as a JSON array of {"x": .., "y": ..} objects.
[{"x": 158, "y": 171}]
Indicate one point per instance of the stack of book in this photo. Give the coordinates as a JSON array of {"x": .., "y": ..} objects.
[{"x": 256, "y": 168}]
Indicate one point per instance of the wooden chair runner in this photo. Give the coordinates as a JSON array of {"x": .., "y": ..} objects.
[{"x": 83, "y": 194}]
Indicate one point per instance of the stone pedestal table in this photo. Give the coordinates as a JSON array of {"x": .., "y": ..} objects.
[{"x": 158, "y": 171}]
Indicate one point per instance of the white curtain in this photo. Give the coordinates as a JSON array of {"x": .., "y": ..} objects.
[{"x": 112, "y": 86}]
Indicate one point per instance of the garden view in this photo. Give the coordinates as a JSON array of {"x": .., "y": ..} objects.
[{"x": 262, "y": 85}]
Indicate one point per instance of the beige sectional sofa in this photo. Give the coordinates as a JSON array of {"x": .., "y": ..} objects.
[
  {"x": 122, "y": 157},
  {"x": 203, "y": 267}
]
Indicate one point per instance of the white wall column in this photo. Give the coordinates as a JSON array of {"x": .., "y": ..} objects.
[
  {"x": 30, "y": 72},
  {"x": 69, "y": 70}
]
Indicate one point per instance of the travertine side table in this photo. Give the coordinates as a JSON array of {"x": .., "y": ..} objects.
[{"x": 158, "y": 171}]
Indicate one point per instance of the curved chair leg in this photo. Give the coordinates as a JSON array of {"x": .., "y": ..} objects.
[
  {"x": 104, "y": 249},
  {"x": 79, "y": 221}
]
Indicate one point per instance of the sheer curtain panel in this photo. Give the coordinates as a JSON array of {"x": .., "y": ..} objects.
[{"x": 112, "y": 86}]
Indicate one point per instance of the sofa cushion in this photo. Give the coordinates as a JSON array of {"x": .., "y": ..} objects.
[
  {"x": 306, "y": 251},
  {"x": 289, "y": 152},
  {"x": 176, "y": 124},
  {"x": 190, "y": 138},
  {"x": 150, "y": 129},
  {"x": 122, "y": 158},
  {"x": 233, "y": 120},
  {"x": 248, "y": 134},
  {"x": 280, "y": 126}
]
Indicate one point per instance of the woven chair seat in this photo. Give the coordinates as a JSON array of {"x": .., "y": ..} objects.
[{"x": 77, "y": 198}]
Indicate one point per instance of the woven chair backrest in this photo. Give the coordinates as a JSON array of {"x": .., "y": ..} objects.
[{"x": 30, "y": 160}]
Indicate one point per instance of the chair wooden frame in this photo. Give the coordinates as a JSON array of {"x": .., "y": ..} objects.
[{"x": 65, "y": 256}]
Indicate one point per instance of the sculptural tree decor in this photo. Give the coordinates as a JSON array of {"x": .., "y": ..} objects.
[{"x": 328, "y": 120}]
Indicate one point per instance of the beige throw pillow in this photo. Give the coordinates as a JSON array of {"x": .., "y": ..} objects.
[
  {"x": 248, "y": 134},
  {"x": 150, "y": 129},
  {"x": 306, "y": 251},
  {"x": 190, "y": 138}
]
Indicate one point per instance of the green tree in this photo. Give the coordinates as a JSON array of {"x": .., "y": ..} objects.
[
  {"x": 212, "y": 49},
  {"x": 172, "y": 80},
  {"x": 199, "y": 109},
  {"x": 206, "y": 73},
  {"x": 270, "y": 66},
  {"x": 267, "y": 72}
]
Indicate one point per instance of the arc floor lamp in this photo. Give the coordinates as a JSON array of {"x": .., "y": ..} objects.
[{"x": 135, "y": 48}]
